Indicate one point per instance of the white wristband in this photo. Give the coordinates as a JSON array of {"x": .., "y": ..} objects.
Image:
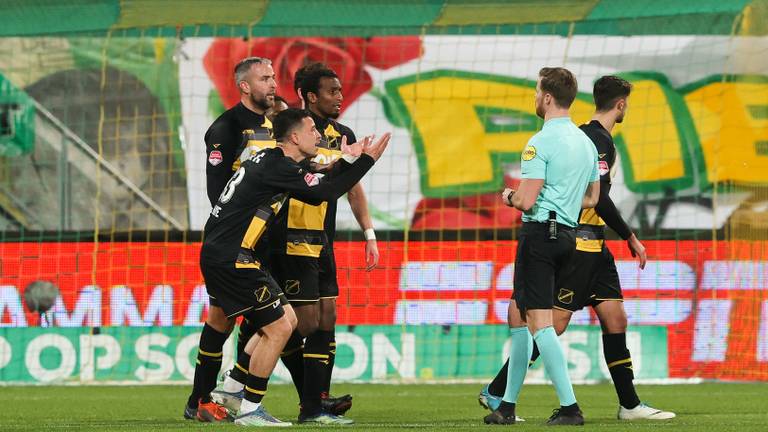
[
  {"x": 349, "y": 158},
  {"x": 370, "y": 234}
]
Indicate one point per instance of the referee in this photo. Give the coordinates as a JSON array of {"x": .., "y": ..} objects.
[{"x": 559, "y": 178}]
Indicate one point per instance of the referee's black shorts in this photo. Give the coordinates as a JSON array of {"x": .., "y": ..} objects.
[
  {"x": 589, "y": 279},
  {"x": 243, "y": 291},
  {"x": 539, "y": 263}
]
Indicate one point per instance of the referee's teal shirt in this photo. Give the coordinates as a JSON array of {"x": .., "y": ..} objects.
[{"x": 566, "y": 159}]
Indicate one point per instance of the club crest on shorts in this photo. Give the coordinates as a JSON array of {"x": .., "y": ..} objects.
[
  {"x": 311, "y": 179},
  {"x": 215, "y": 158},
  {"x": 529, "y": 152},
  {"x": 262, "y": 294},
  {"x": 292, "y": 287},
  {"x": 565, "y": 296}
]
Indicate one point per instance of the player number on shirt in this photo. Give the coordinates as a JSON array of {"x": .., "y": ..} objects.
[{"x": 229, "y": 189}]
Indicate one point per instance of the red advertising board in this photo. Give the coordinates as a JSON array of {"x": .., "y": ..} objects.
[{"x": 712, "y": 296}]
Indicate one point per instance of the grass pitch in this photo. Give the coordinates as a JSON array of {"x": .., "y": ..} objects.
[{"x": 704, "y": 407}]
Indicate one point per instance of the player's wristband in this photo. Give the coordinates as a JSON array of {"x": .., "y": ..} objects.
[
  {"x": 370, "y": 234},
  {"x": 349, "y": 158}
]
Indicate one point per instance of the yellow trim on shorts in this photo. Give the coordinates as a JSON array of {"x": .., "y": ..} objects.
[
  {"x": 269, "y": 305},
  {"x": 237, "y": 365},
  {"x": 253, "y": 265},
  {"x": 301, "y": 300},
  {"x": 562, "y": 309},
  {"x": 240, "y": 312},
  {"x": 610, "y": 299}
]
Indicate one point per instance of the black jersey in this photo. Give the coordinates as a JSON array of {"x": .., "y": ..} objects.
[
  {"x": 593, "y": 220},
  {"x": 255, "y": 193},
  {"x": 332, "y": 133},
  {"x": 236, "y": 135},
  {"x": 303, "y": 229}
]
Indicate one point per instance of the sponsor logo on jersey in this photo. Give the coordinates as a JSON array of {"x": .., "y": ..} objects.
[
  {"x": 215, "y": 158},
  {"x": 529, "y": 152},
  {"x": 602, "y": 167},
  {"x": 311, "y": 179}
]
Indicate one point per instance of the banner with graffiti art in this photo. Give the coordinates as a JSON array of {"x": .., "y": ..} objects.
[
  {"x": 692, "y": 149},
  {"x": 124, "y": 119}
]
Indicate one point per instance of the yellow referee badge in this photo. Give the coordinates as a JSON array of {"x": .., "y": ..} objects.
[{"x": 529, "y": 152}]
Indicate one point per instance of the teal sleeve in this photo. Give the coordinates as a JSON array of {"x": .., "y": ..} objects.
[{"x": 533, "y": 162}]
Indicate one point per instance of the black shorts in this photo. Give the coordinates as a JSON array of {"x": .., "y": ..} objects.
[
  {"x": 328, "y": 284},
  {"x": 590, "y": 278},
  {"x": 243, "y": 291},
  {"x": 539, "y": 263},
  {"x": 298, "y": 276}
]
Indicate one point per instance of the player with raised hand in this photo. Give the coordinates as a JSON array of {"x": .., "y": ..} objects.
[{"x": 234, "y": 248}]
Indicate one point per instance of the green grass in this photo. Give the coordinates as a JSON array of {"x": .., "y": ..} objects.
[{"x": 711, "y": 406}]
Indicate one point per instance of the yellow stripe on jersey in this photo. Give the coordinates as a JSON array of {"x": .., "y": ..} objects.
[
  {"x": 304, "y": 216},
  {"x": 589, "y": 245},
  {"x": 303, "y": 249},
  {"x": 251, "y": 148},
  {"x": 253, "y": 265},
  {"x": 254, "y": 232},
  {"x": 325, "y": 156},
  {"x": 589, "y": 217},
  {"x": 332, "y": 136}
]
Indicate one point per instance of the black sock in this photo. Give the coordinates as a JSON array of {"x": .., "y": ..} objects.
[
  {"x": 570, "y": 409},
  {"x": 534, "y": 355},
  {"x": 620, "y": 365},
  {"x": 498, "y": 386},
  {"x": 239, "y": 371},
  {"x": 330, "y": 336},
  {"x": 315, "y": 364},
  {"x": 293, "y": 359},
  {"x": 255, "y": 388},
  {"x": 209, "y": 357},
  {"x": 507, "y": 409}
]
